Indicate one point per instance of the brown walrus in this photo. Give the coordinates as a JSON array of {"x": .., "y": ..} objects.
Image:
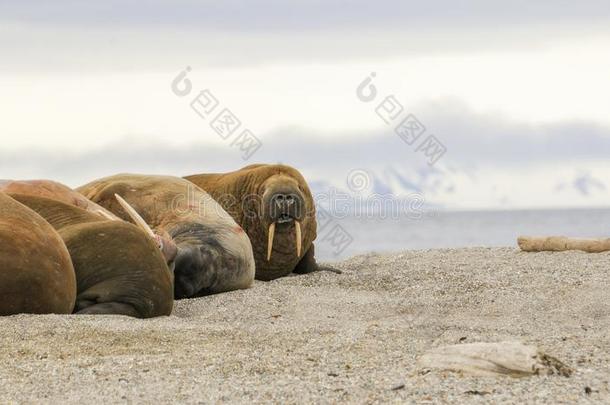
[
  {"x": 274, "y": 205},
  {"x": 214, "y": 253},
  {"x": 36, "y": 273},
  {"x": 55, "y": 191},
  {"x": 119, "y": 268},
  {"x": 60, "y": 192}
]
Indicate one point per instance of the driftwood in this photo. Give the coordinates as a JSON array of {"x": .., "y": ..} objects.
[
  {"x": 561, "y": 243},
  {"x": 512, "y": 359}
]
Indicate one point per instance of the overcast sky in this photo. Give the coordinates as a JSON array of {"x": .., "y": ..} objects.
[{"x": 517, "y": 91}]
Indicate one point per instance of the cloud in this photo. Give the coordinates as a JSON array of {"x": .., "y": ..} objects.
[
  {"x": 301, "y": 15},
  {"x": 117, "y": 35},
  {"x": 474, "y": 143},
  {"x": 585, "y": 184},
  {"x": 491, "y": 139}
]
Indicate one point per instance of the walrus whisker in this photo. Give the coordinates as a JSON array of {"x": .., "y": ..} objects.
[
  {"x": 297, "y": 228},
  {"x": 270, "y": 240},
  {"x": 136, "y": 217}
]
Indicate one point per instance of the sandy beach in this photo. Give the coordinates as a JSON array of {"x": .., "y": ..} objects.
[{"x": 326, "y": 338}]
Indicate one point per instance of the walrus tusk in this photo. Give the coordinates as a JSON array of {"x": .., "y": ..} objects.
[
  {"x": 297, "y": 228},
  {"x": 106, "y": 215},
  {"x": 136, "y": 217},
  {"x": 270, "y": 240}
]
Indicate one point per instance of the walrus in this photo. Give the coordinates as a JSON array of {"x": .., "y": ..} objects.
[
  {"x": 275, "y": 207},
  {"x": 119, "y": 268},
  {"x": 214, "y": 253},
  {"x": 60, "y": 192},
  {"x": 36, "y": 272},
  {"x": 55, "y": 191}
]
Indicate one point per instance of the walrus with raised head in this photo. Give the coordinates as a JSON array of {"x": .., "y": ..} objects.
[
  {"x": 36, "y": 272},
  {"x": 275, "y": 207},
  {"x": 119, "y": 267},
  {"x": 214, "y": 253}
]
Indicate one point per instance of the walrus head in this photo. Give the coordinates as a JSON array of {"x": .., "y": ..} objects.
[
  {"x": 283, "y": 209},
  {"x": 275, "y": 207},
  {"x": 284, "y": 224}
]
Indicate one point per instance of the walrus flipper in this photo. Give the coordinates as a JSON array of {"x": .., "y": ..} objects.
[{"x": 308, "y": 264}]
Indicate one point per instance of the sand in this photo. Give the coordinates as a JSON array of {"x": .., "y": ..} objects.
[{"x": 327, "y": 338}]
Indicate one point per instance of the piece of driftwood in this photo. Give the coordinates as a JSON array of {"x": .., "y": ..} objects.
[
  {"x": 561, "y": 243},
  {"x": 512, "y": 359}
]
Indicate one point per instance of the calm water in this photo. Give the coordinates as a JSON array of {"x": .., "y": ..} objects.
[{"x": 455, "y": 229}]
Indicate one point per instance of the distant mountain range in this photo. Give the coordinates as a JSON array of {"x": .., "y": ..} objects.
[{"x": 452, "y": 188}]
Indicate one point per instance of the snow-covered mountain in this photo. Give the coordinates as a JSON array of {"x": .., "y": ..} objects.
[{"x": 450, "y": 187}]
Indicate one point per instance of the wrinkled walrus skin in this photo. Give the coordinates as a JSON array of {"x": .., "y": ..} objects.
[
  {"x": 256, "y": 197},
  {"x": 54, "y": 191},
  {"x": 36, "y": 273},
  {"x": 214, "y": 253},
  {"x": 59, "y": 192},
  {"x": 119, "y": 269}
]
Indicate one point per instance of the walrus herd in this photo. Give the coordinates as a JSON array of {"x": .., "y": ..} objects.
[{"x": 130, "y": 244}]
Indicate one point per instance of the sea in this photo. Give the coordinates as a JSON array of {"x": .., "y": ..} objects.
[{"x": 345, "y": 237}]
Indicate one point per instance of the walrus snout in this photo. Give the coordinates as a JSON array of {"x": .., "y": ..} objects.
[
  {"x": 168, "y": 247},
  {"x": 188, "y": 277},
  {"x": 209, "y": 263},
  {"x": 283, "y": 204},
  {"x": 285, "y": 207}
]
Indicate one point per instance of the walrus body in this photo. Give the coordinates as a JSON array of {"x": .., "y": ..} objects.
[
  {"x": 119, "y": 269},
  {"x": 214, "y": 253},
  {"x": 275, "y": 207},
  {"x": 36, "y": 273},
  {"x": 55, "y": 191},
  {"x": 59, "y": 192}
]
